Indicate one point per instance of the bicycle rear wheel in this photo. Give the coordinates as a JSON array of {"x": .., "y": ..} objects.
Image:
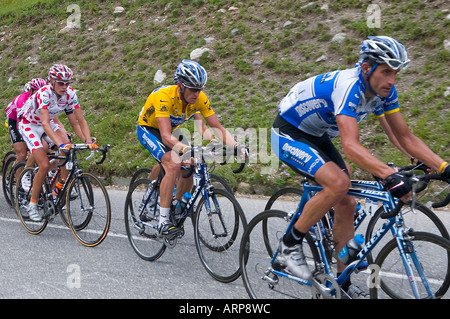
[
  {"x": 259, "y": 242},
  {"x": 88, "y": 209},
  {"x": 143, "y": 235},
  {"x": 22, "y": 199},
  {"x": 426, "y": 251},
  {"x": 218, "y": 228}
]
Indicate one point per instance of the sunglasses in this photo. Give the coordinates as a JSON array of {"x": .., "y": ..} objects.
[
  {"x": 396, "y": 64},
  {"x": 195, "y": 90},
  {"x": 62, "y": 83}
]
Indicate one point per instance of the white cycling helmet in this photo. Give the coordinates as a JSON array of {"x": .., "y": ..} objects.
[
  {"x": 384, "y": 50},
  {"x": 190, "y": 74}
]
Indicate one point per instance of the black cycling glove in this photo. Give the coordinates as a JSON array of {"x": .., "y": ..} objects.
[
  {"x": 397, "y": 185},
  {"x": 446, "y": 173}
]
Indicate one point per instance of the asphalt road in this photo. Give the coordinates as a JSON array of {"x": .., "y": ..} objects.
[{"x": 54, "y": 265}]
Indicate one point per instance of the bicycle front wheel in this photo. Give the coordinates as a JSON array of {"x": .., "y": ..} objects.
[
  {"x": 12, "y": 182},
  {"x": 218, "y": 228},
  {"x": 427, "y": 254},
  {"x": 140, "y": 173},
  {"x": 88, "y": 209},
  {"x": 8, "y": 166},
  {"x": 420, "y": 218},
  {"x": 22, "y": 199},
  {"x": 285, "y": 199},
  {"x": 142, "y": 232},
  {"x": 259, "y": 243}
]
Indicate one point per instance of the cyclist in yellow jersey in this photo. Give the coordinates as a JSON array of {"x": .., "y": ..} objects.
[{"x": 164, "y": 111}]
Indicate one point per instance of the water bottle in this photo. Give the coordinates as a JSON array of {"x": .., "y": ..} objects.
[
  {"x": 51, "y": 175},
  {"x": 351, "y": 249},
  {"x": 184, "y": 200}
]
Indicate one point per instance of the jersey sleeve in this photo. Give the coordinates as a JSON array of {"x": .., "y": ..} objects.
[
  {"x": 346, "y": 99},
  {"x": 161, "y": 102},
  {"x": 391, "y": 105},
  {"x": 204, "y": 105},
  {"x": 72, "y": 101},
  {"x": 42, "y": 98}
]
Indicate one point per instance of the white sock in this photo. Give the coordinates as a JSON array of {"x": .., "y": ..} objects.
[{"x": 164, "y": 214}]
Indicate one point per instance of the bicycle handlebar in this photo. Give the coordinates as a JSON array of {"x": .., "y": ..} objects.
[
  {"x": 414, "y": 180},
  {"x": 200, "y": 153},
  {"x": 80, "y": 147}
]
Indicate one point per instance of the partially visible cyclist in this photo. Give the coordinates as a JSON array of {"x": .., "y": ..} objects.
[
  {"x": 332, "y": 104},
  {"x": 166, "y": 108},
  {"x": 20, "y": 147},
  {"x": 37, "y": 118}
]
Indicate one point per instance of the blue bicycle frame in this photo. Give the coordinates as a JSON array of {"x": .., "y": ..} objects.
[{"x": 370, "y": 190}]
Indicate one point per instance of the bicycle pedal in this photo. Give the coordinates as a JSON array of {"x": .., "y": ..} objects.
[{"x": 277, "y": 265}]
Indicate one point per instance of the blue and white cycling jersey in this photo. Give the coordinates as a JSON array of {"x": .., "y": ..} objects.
[{"x": 312, "y": 105}]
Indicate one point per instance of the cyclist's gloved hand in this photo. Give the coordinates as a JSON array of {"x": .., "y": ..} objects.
[
  {"x": 65, "y": 148},
  {"x": 446, "y": 173},
  {"x": 186, "y": 153},
  {"x": 92, "y": 146},
  {"x": 241, "y": 150},
  {"x": 397, "y": 184}
]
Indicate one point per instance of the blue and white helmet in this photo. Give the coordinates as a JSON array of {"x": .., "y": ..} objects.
[
  {"x": 190, "y": 74},
  {"x": 384, "y": 50}
]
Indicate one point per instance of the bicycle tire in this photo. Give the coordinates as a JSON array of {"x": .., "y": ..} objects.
[
  {"x": 220, "y": 182},
  {"x": 88, "y": 209},
  {"x": 218, "y": 227},
  {"x": 143, "y": 237},
  {"x": 427, "y": 219},
  {"x": 8, "y": 154},
  {"x": 12, "y": 180},
  {"x": 255, "y": 258},
  {"x": 285, "y": 199},
  {"x": 22, "y": 200},
  {"x": 140, "y": 173},
  {"x": 434, "y": 258},
  {"x": 7, "y": 167}
]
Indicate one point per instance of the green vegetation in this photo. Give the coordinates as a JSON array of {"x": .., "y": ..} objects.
[{"x": 115, "y": 58}]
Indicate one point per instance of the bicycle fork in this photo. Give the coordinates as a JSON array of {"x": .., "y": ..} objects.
[{"x": 411, "y": 261}]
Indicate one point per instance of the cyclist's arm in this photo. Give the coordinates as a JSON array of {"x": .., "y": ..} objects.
[
  {"x": 76, "y": 127},
  {"x": 85, "y": 133},
  {"x": 413, "y": 145},
  {"x": 355, "y": 152},
  {"x": 219, "y": 130},
  {"x": 387, "y": 129},
  {"x": 204, "y": 131},
  {"x": 45, "y": 120}
]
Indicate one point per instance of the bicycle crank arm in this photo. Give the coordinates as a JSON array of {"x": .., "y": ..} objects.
[{"x": 326, "y": 287}]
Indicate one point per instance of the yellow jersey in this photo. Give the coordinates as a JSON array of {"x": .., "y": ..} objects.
[{"x": 166, "y": 101}]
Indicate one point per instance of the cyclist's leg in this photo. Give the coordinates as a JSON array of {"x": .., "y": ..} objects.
[
  {"x": 308, "y": 155},
  {"x": 151, "y": 139},
  {"x": 32, "y": 136},
  {"x": 20, "y": 147}
]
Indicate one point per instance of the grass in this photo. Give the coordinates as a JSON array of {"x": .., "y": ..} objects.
[{"x": 115, "y": 60}]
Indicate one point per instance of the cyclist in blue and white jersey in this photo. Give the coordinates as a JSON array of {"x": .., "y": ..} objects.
[{"x": 332, "y": 104}]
